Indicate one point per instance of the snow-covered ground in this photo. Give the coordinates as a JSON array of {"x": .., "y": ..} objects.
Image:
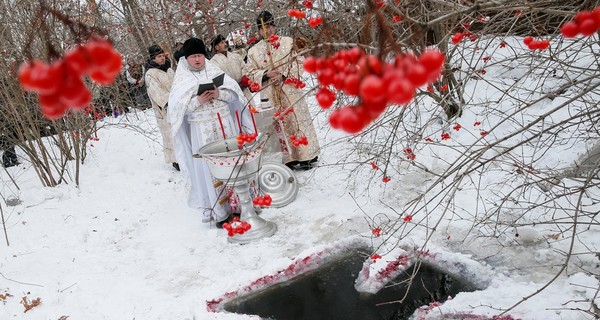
[{"x": 124, "y": 244}]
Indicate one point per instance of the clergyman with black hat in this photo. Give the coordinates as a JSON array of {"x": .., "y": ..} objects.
[
  {"x": 270, "y": 62},
  {"x": 200, "y": 119},
  {"x": 159, "y": 77},
  {"x": 230, "y": 62}
]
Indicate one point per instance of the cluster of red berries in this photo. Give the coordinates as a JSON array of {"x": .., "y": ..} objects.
[
  {"x": 536, "y": 44},
  {"x": 457, "y": 37},
  {"x": 375, "y": 82},
  {"x": 263, "y": 201},
  {"x": 313, "y": 22},
  {"x": 585, "y": 22},
  {"x": 410, "y": 155},
  {"x": 60, "y": 85},
  {"x": 245, "y": 82},
  {"x": 236, "y": 227},
  {"x": 296, "y": 82},
  {"x": 246, "y": 138},
  {"x": 298, "y": 141},
  {"x": 375, "y": 257},
  {"x": 251, "y": 40},
  {"x": 376, "y": 232},
  {"x": 281, "y": 115},
  {"x": 274, "y": 40},
  {"x": 298, "y": 14}
]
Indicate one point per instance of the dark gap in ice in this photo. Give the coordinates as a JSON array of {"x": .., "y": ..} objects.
[{"x": 328, "y": 293}]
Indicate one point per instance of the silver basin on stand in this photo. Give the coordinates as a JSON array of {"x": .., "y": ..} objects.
[{"x": 236, "y": 167}]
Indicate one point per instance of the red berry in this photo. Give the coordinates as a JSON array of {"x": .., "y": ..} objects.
[
  {"x": 432, "y": 60},
  {"x": 310, "y": 65},
  {"x": 104, "y": 59},
  {"x": 314, "y": 22},
  {"x": 581, "y": 16},
  {"x": 74, "y": 93},
  {"x": 354, "y": 54},
  {"x": 351, "y": 121},
  {"x": 400, "y": 91},
  {"x": 325, "y": 76},
  {"x": 40, "y": 77},
  {"x": 334, "y": 119},
  {"x": 417, "y": 75},
  {"x": 372, "y": 89},
  {"x": 352, "y": 84},
  {"x": 569, "y": 29},
  {"x": 527, "y": 40},
  {"x": 374, "y": 109},
  {"x": 325, "y": 97},
  {"x": 338, "y": 81},
  {"x": 51, "y": 106},
  {"x": 457, "y": 37},
  {"x": 77, "y": 61},
  {"x": 544, "y": 44},
  {"x": 588, "y": 27}
]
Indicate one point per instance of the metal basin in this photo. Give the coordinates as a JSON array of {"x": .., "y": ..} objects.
[{"x": 228, "y": 163}]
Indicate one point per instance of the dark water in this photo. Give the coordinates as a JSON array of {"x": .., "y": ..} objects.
[{"x": 328, "y": 293}]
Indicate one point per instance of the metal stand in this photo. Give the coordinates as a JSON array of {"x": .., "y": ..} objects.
[
  {"x": 260, "y": 227},
  {"x": 236, "y": 168}
]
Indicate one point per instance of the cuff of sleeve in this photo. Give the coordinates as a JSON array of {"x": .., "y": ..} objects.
[{"x": 225, "y": 95}]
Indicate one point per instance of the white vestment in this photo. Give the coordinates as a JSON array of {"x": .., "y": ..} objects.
[
  {"x": 194, "y": 125},
  {"x": 159, "y": 83}
]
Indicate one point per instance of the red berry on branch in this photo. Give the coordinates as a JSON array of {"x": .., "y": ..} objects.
[
  {"x": 40, "y": 77},
  {"x": 400, "y": 91},
  {"x": 432, "y": 60},
  {"x": 51, "y": 106},
  {"x": 310, "y": 65},
  {"x": 569, "y": 29},
  {"x": 77, "y": 61},
  {"x": 457, "y": 37},
  {"x": 352, "y": 84},
  {"x": 325, "y": 97},
  {"x": 372, "y": 89},
  {"x": 589, "y": 26},
  {"x": 417, "y": 75},
  {"x": 74, "y": 93},
  {"x": 314, "y": 22}
]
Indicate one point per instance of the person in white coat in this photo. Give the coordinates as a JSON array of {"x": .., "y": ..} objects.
[{"x": 159, "y": 77}]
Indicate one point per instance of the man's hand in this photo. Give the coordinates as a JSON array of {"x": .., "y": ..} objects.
[
  {"x": 208, "y": 96},
  {"x": 205, "y": 97}
]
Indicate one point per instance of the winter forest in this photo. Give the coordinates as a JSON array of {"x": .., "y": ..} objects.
[{"x": 461, "y": 136}]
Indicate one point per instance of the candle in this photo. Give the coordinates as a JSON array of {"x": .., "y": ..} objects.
[
  {"x": 253, "y": 121},
  {"x": 237, "y": 116},
  {"x": 221, "y": 123}
]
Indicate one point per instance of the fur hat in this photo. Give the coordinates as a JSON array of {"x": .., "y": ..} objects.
[
  {"x": 193, "y": 46},
  {"x": 266, "y": 17},
  {"x": 154, "y": 50},
  {"x": 216, "y": 40}
]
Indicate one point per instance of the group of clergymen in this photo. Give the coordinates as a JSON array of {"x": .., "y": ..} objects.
[{"x": 188, "y": 121}]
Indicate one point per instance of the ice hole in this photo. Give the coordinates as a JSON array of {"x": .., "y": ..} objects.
[{"x": 328, "y": 292}]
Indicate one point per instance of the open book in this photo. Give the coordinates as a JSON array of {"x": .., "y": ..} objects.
[{"x": 216, "y": 82}]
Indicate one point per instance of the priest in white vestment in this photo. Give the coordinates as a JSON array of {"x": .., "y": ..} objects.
[{"x": 195, "y": 123}]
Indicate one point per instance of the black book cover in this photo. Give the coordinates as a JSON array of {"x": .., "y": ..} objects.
[{"x": 216, "y": 82}]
